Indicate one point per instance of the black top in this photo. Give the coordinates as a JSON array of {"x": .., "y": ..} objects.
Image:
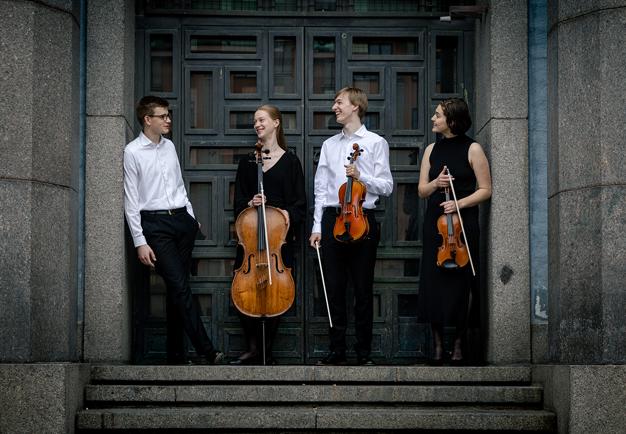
[
  {"x": 444, "y": 295},
  {"x": 283, "y": 185}
]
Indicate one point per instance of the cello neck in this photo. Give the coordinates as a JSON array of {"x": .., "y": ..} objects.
[{"x": 259, "y": 209}]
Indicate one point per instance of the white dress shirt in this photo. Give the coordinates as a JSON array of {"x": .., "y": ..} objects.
[
  {"x": 373, "y": 165},
  {"x": 152, "y": 181}
]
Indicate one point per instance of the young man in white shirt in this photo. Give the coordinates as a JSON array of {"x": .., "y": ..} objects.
[
  {"x": 354, "y": 258},
  {"x": 163, "y": 226}
]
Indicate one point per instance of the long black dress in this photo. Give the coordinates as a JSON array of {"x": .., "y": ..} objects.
[
  {"x": 444, "y": 295},
  {"x": 283, "y": 185}
]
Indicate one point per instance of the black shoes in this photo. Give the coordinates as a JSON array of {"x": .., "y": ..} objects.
[
  {"x": 364, "y": 361},
  {"x": 332, "y": 359},
  {"x": 248, "y": 358},
  {"x": 215, "y": 358}
]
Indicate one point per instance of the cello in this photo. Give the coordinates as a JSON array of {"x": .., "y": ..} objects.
[
  {"x": 263, "y": 286},
  {"x": 351, "y": 224}
]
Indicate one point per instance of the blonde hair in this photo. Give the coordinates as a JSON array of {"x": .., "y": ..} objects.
[{"x": 357, "y": 97}]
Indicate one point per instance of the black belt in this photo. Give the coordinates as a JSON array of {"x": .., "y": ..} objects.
[
  {"x": 336, "y": 210},
  {"x": 165, "y": 211}
]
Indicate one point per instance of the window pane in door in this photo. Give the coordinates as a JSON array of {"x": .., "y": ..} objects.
[
  {"x": 199, "y": 156},
  {"x": 161, "y": 61},
  {"x": 285, "y": 64},
  {"x": 240, "y": 120},
  {"x": 324, "y": 65},
  {"x": 223, "y": 44},
  {"x": 369, "y": 82},
  {"x": 387, "y": 46},
  {"x": 325, "y": 121},
  {"x": 407, "y": 212},
  {"x": 372, "y": 121},
  {"x": 403, "y": 156},
  {"x": 242, "y": 82},
  {"x": 446, "y": 64},
  {"x": 406, "y": 101},
  {"x": 201, "y": 196},
  {"x": 201, "y": 113},
  {"x": 394, "y": 268}
]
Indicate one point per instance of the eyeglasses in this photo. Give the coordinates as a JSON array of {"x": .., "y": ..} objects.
[{"x": 163, "y": 117}]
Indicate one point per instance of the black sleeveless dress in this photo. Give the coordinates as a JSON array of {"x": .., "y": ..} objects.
[{"x": 444, "y": 295}]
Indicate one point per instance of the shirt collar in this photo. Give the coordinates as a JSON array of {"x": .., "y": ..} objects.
[
  {"x": 359, "y": 133},
  {"x": 145, "y": 141}
]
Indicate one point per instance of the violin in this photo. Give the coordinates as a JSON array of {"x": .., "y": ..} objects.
[
  {"x": 263, "y": 286},
  {"x": 452, "y": 254},
  {"x": 351, "y": 224}
]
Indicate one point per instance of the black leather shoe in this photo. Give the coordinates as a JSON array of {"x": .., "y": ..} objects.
[
  {"x": 365, "y": 361},
  {"x": 215, "y": 358},
  {"x": 333, "y": 358},
  {"x": 246, "y": 359}
]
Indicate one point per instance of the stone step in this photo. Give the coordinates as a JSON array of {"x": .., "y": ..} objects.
[
  {"x": 332, "y": 418},
  {"x": 131, "y": 394},
  {"x": 311, "y": 374}
]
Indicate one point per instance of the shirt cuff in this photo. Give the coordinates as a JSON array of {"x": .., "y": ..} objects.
[{"x": 139, "y": 241}]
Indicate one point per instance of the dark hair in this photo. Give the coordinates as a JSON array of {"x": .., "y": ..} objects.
[
  {"x": 457, "y": 115},
  {"x": 275, "y": 114},
  {"x": 357, "y": 97},
  {"x": 146, "y": 106}
]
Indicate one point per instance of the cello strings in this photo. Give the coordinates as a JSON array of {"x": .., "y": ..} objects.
[{"x": 267, "y": 245}]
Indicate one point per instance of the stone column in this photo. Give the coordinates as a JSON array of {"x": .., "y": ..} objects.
[
  {"x": 587, "y": 181},
  {"x": 586, "y": 215},
  {"x": 501, "y": 123},
  {"x": 39, "y": 146},
  {"x": 39, "y": 43},
  {"x": 110, "y": 101}
]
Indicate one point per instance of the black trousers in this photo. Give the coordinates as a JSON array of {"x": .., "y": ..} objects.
[
  {"x": 172, "y": 238},
  {"x": 356, "y": 260}
]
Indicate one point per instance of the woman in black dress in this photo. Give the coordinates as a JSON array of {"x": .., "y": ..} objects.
[
  {"x": 444, "y": 295},
  {"x": 283, "y": 184}
]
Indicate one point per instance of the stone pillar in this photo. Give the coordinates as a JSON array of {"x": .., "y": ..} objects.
[
  {"x": 501, "y": 123},
  {"x": 587, "y": 182},
  {"x": 39, "y": 147},
  {"x": 110, "y": 106},
  {"x": 586, "y": 215},
  {"x": 39, "y": 43}
]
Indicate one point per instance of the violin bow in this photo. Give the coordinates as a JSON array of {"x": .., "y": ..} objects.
[
  {"x": 458, "y": 211},
  {"x": 317, "y": 248},
  {"x": 267, "y": 243}
]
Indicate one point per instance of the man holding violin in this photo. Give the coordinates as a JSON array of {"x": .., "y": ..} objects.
[{"x": 346, "y": 255}]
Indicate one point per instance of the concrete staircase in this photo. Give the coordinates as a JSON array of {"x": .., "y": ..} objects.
[{"x": 305, "y": 398}]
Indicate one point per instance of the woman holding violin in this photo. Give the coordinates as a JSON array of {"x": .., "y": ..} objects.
[
  {"x": 283, "y": 188},
  {"x": 454, "y": 167},
  {"x": 353, "y": 171}
]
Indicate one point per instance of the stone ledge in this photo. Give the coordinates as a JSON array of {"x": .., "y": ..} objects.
[
  {"x": 308, "y": 374},
  {"x": 265, "y": 394},
  {"x": 465, "y": 418}
]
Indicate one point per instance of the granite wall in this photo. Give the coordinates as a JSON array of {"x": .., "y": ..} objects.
[
  {"x": 501, "y": 123},
  {"x": 38, "y": 180},
  {"x": 110, "y": 114},
  {"x": 587, "y": 182}
]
